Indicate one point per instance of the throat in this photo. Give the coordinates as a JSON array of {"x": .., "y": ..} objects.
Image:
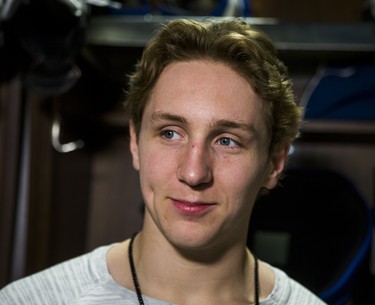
[{"x": 239, "y": 299}]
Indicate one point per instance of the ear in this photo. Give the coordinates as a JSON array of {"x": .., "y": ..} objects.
[
  {"x": 276, "y": 166},
  {"x": 134, "y": 145}
]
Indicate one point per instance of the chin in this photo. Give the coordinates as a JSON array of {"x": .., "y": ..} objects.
[{"x": 194, "y": 240}]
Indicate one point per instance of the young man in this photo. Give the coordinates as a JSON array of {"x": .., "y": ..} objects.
[{"x": 213, "y": 117}]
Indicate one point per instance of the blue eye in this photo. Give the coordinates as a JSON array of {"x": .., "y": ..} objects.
[
  {"x": 168, "y": 134},
  {"x": 227, "y": 142}
]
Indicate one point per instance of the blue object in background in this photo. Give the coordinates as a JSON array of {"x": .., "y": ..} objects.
[
  {"x": 341, "y": 93},
  {"x": 241, "y": 7}
]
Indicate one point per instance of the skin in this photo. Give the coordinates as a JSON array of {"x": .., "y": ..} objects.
[{"x": 202, "y": 156}]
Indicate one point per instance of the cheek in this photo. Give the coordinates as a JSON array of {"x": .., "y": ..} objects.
[
  {"x": 243, "y": 182},
  {"x": 155, "y": 170},
  {"x": 245, "y": 188}
]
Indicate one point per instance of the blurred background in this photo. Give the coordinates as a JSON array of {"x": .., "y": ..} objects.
[{"x": 66, "y": 180}]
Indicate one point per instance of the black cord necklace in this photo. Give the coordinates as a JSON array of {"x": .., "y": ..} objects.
[{"x": 138, "y": 288}]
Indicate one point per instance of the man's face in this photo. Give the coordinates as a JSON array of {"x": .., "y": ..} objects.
[{"x": 202, "y": 154}]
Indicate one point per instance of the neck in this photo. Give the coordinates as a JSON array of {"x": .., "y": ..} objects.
[{"x": 177, "y": 276}]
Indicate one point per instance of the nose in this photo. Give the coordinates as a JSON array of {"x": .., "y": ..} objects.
[{"x": 195, "y": 167}]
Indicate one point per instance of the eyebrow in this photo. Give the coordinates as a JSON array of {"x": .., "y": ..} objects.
[
  {"x": 165, "y": 116},
  {"x": 235, "y": 125},
  {"x": 160, "y": 116}
]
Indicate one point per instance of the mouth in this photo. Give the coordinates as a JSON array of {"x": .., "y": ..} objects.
[{"x": 191, "y": 208}]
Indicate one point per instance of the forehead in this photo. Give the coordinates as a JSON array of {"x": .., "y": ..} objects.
[{"x": 205, "y": 90}]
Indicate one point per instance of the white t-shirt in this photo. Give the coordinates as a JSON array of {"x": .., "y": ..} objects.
[{"x": 85, "y": 280}]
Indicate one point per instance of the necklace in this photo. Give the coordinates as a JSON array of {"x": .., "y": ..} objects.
[{"x": 138, "y": 288}]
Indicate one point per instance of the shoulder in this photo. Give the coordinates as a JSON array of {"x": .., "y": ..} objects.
[
  {"x": 61, "y": 283},
  {"x": 289, "y": 292}
]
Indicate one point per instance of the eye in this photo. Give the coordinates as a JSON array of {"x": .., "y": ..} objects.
[
  {"x": 169, "y": 134},
  {"x": 228, "y": 142}
]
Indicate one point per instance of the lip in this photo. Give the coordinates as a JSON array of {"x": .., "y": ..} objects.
[{"x": 191, "y": 208}]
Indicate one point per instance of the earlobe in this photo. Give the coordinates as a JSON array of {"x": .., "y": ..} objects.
[
  {"x": 134, "y": 145},
  {"x": 277, "y": 166}
]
